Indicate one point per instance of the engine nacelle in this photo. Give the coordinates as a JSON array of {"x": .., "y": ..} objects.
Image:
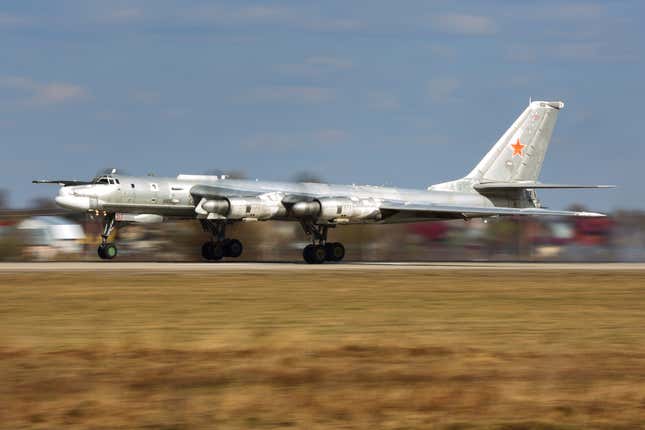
[
  {"x": 244, "y": 208},
  {"x": 216, "y": 206},
  {"x": 306, "y": 209},
  {"x": 337, "y": 210}
]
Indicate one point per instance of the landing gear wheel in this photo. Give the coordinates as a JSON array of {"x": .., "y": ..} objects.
[
  {"x": 334, "y": 251},
  {"x": 107, "y": 251},
  {"x": 212, "y": 251},
  {"x": 233, "y": 248},
  {"x": 314, "y": 254},
  {"x": 306, "y": 253},
  {"x": 206, "y": 250},
  {"x": 217, "y": 251}
]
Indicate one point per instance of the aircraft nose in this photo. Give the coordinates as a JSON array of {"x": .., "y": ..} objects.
[{"x": 68, "y": 199}]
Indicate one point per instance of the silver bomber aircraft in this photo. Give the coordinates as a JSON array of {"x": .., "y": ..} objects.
[{"x": 503, "y": 183}]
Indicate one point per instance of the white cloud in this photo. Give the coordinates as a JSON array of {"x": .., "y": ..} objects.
[
  {"x": 330, "y": 136},
  {"x": 590, "y": 52},
  {"x": 578, "y": 11},
  {"x": 270, "y": 15},
  {"x": 221, "y": 14},
  {"x": 558, "y": 11},
  {"x": 471, "y": 25},
  {"x": 330, "y": 62},
  {"x": 444, "y": 51},
  {"x": 382, "y": 101},
  {"x": 56, "y": 93},
  {"x": 8, "y": 20},
  {"x": 32, "y": 93},
  {"x": 316, "y": 66},
  {"x": 126, "y": 14},
  {"x": 522, "y": 53},
  {"x": 290, "y": 94},
  {"x": 291, "y": 141},
  {"x": 177, "y": 112},
  {"x": 145, "y": 97},
  {"x": 442, "y": 89},
  {"x": 79, "y": 147}
]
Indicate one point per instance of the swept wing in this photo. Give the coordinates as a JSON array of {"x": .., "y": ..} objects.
[{"x": 430, "y": 210}]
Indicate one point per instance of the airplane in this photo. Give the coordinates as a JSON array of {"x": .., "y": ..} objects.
[{"x": 503, "y": 183}]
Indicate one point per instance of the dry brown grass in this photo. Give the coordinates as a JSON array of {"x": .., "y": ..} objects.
[{"x": 393, "y": 350}]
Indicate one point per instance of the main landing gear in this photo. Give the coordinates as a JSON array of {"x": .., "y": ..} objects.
[
  {"x": 219, "y": 246},
  {"x": 107, "y": 251},
  {"x": 321, "y": 250}
]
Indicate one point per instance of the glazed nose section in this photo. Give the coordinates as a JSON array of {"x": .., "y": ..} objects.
[{"x": 67, "y": 198}]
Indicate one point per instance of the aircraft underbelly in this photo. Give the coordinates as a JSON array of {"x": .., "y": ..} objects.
[{"x": 160, "y": 209}]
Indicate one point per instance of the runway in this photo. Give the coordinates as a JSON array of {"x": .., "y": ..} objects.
[{"x": 156, "y": 267}]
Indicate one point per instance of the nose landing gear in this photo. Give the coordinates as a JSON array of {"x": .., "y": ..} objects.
[
  {"x": 219, "y": 247},
  {"x": 107, "y": 251}
]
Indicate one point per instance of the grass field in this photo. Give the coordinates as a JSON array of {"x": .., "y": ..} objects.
[{"x": 455, "y": 350}]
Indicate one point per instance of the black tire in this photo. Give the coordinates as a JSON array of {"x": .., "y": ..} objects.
[
  {"x": 306, "y": 253},
  {"x": 334, "y": 251},
  {"x": 101, "y": 252},
  {"x": 317, "y": 254},
  {"x": 233, "y": 248},
  {"x": 217, "y": 251},
  {"x": 206, "y": 250}
]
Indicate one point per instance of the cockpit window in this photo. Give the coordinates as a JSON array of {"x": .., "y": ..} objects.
[{"x": 106, "y": 180}]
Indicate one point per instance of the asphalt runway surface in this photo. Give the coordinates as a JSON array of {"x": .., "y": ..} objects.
[{"x": 303, "y": 267}]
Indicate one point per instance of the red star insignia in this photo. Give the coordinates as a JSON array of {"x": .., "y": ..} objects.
[{"x": 517, "y": 148}]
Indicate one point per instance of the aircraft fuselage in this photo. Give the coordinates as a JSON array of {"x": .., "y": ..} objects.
[{"x": 171, "y": 197}]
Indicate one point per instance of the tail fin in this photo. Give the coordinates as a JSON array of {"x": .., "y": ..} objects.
[
  {"x": 518, "y": 155},
  {"x": 513, "y": 164}
]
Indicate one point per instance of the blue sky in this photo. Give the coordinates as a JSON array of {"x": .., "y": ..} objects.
[{"x": 401, "y": 93}]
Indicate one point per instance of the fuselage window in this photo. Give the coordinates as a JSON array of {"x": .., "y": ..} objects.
[
  {"x": 102, "y": 181},
  {"x": 117, "y": 181},
  {"x": 132, "y": 185},
  {"x": 248, "y": 209}
]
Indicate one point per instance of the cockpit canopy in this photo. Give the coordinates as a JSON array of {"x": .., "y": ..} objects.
[{"x": 106, "y": 179}]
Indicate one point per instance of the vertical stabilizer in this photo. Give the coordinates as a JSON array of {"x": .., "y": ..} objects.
[{"x": 518, "y": 155}]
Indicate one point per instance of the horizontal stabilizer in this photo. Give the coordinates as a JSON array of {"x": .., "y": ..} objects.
[{"x": 490, "y": 186}]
